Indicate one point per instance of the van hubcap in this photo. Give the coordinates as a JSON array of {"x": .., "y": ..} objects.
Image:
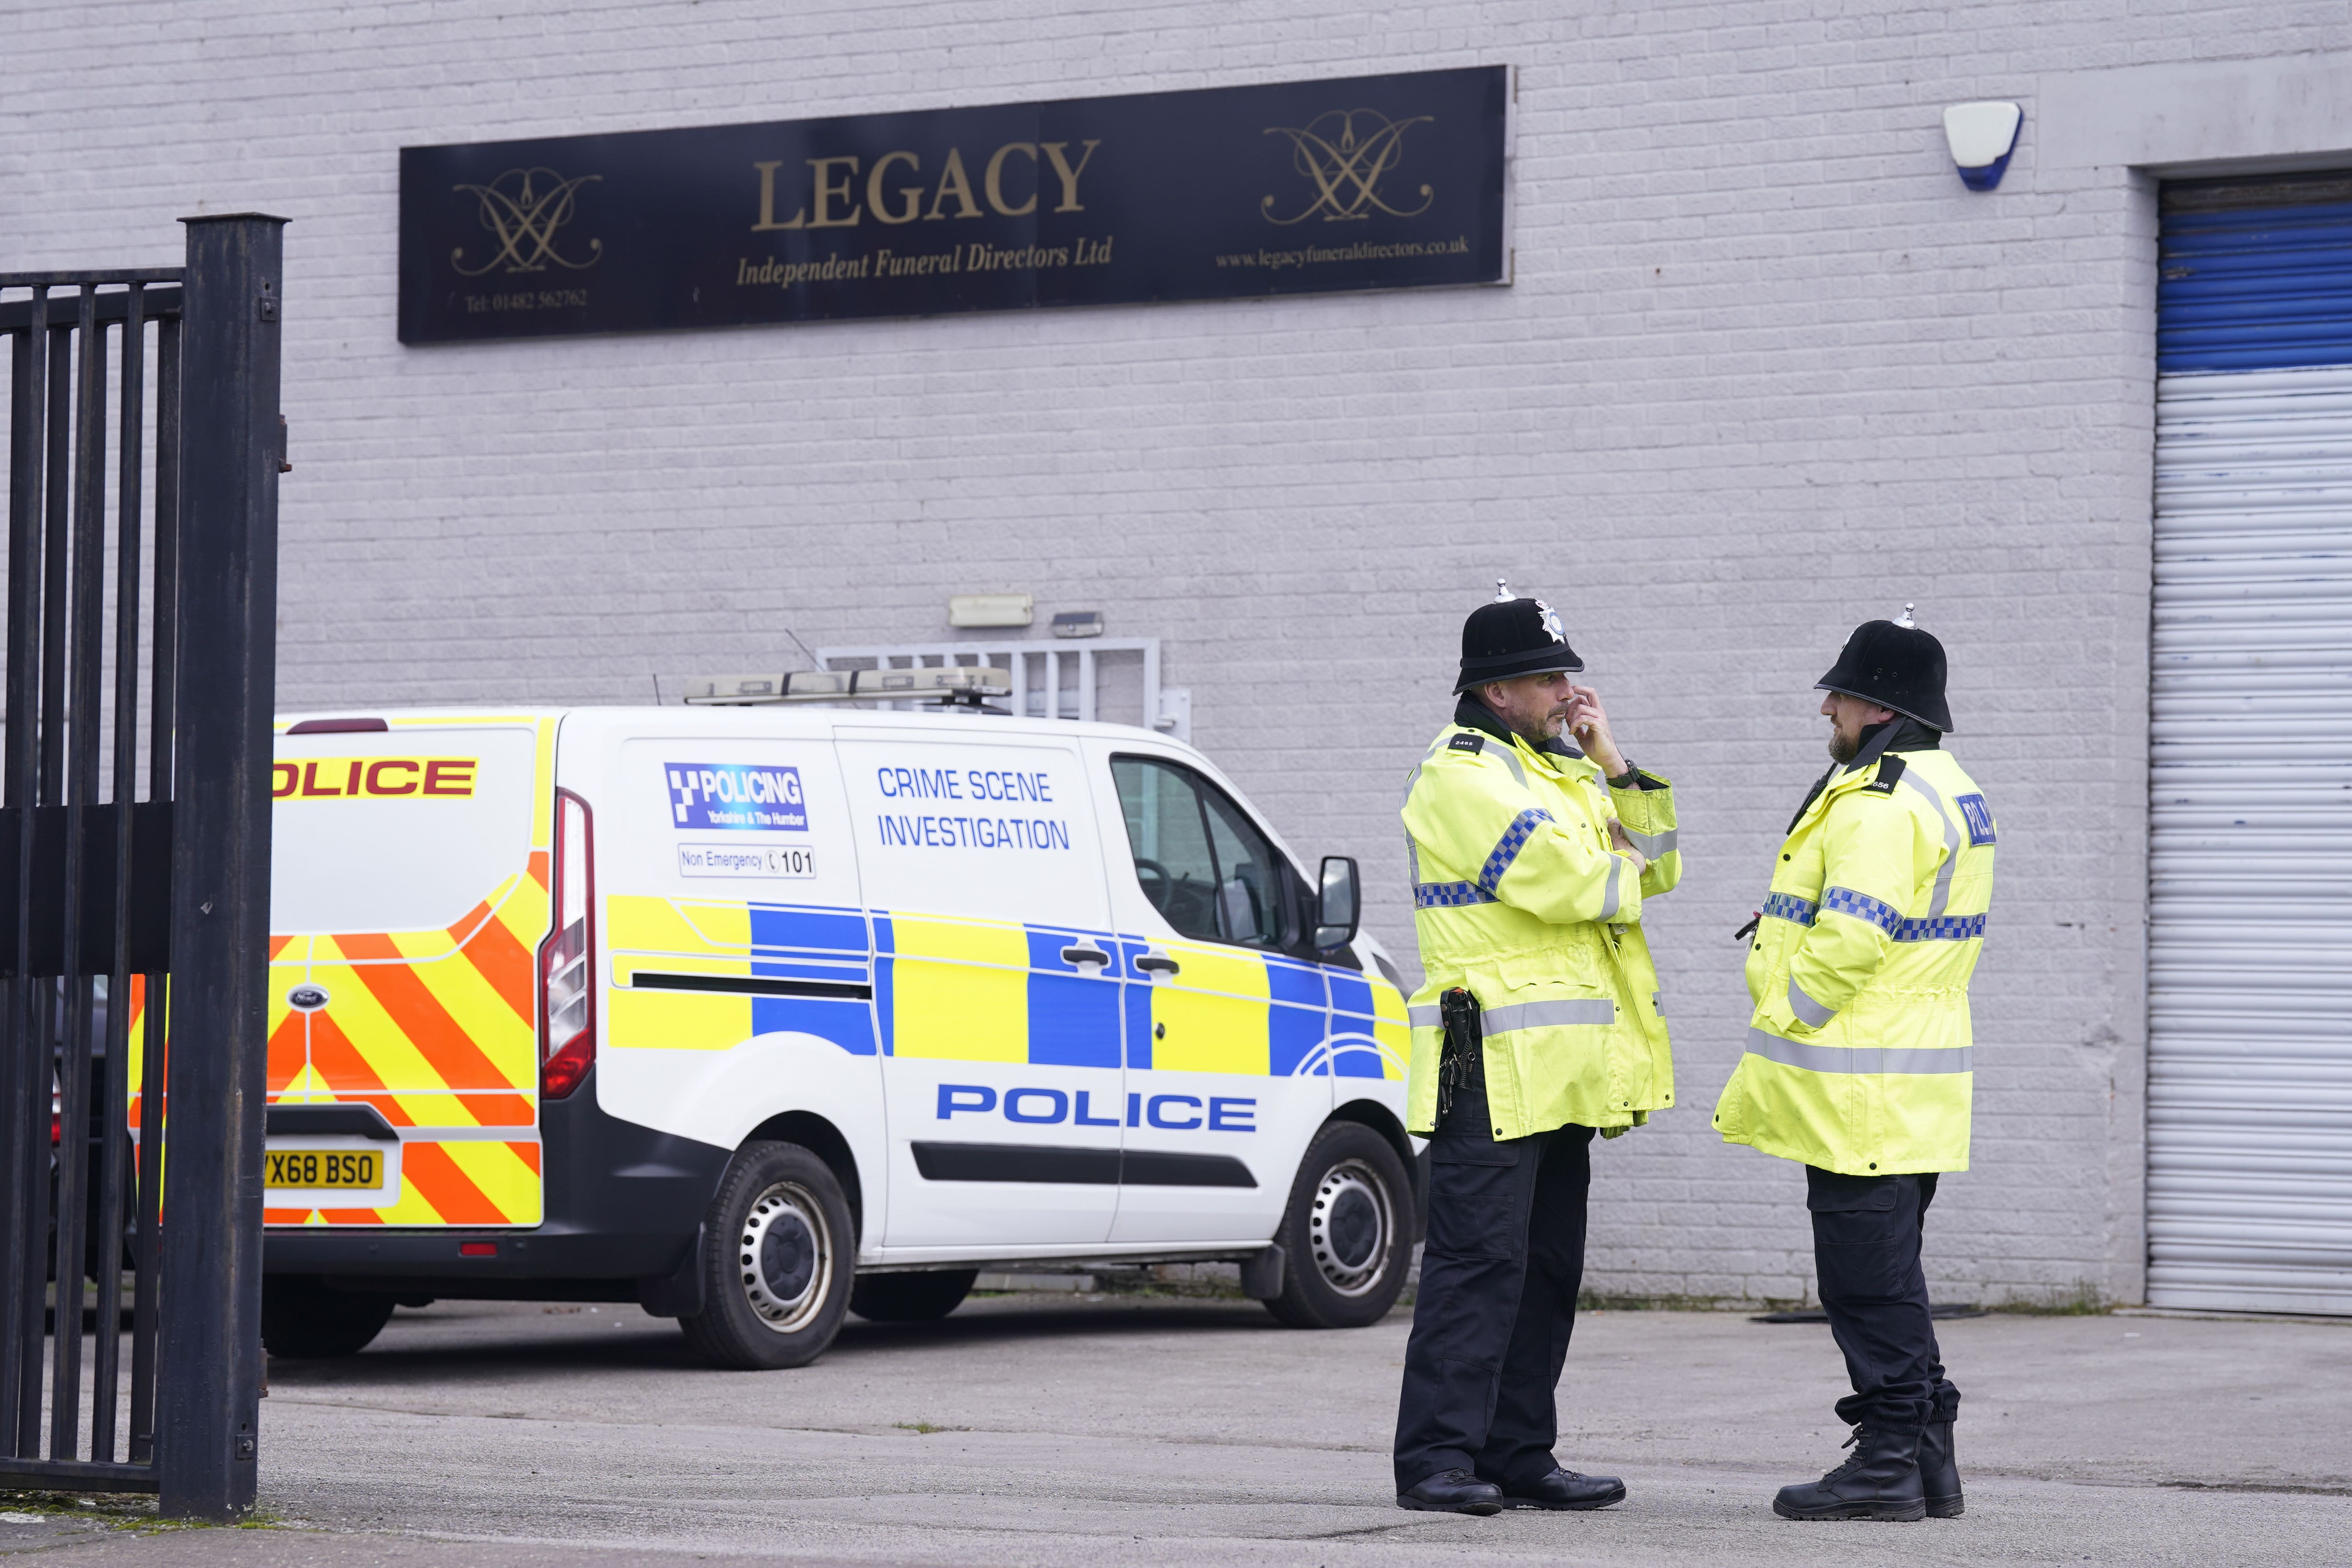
[
  {"x": 785, "y": 1256},
  {"x": 1349, "y": 1227}
]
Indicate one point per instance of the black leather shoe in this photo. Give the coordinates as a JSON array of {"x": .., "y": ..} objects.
[
  {"x": 1453, "y": 1491},
  {"x": 1565, "y": 1489},
  {"x": 1939, "y": 1472},
  {"x": 1880, "y": 1481}
]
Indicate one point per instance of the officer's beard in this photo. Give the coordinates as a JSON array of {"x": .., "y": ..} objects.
[{"x": 1843, "y": 746}]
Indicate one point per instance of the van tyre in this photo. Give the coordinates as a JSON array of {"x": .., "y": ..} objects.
[
  {"x": 302, "y": 1316},
  {"x": 1347, "y": 1237},
  {"x": 778, "y": 1254},
  {"x": 924, "y": 1297}
]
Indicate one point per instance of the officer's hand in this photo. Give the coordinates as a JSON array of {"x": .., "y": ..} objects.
[
  {"x": 1625, "y": 846},
  {"x": 1590, "y": 724}
]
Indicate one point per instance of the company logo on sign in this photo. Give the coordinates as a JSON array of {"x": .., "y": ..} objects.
[
  {"x": 522, "y": 208},
  {"x": 1345, "y": 155},
  {"x": 736, "y": 796}
]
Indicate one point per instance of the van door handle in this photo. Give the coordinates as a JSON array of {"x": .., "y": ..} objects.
[
  {"x": 1158, "y": 963},
  {"x": 1085, "y": 955}
]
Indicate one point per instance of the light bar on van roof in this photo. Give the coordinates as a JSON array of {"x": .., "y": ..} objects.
[{"x": 847, "y": 685}]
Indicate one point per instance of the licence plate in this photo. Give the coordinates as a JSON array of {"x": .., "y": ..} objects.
[{"x": 323, "y": 1168}]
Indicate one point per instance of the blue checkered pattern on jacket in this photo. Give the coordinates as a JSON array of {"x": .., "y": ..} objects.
[
  {"x": 1507, "y": 849},
  {"x": 1863, "y": 907},
  {"x": 1941, "y": 927},
  {"x": 1450, "y": 895},
  {"x": 1789, "y": 906}
]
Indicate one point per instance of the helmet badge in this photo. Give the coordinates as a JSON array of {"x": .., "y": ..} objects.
[{"x": 1551, "y": 625}]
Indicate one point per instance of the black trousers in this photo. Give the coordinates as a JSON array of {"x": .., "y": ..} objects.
[
  {"x": 1497, "y": 1301},
  {"x": 1866, "y": 1236}
]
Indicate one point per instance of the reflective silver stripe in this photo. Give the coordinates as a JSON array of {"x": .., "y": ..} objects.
[
  {"x": 1657, "y": 1002},
  {"x": 1424, "y": 1018},
  {"x": 1652, "y": 845},
  {"x": 1616, "y": 896},
  {"x": 1547, "y": 1016},
  {"x": 1510, "y": 759},
  {"x": 1410, "y": 779},
  {"x": 1868, "y": 1060},
  {"x": 1952, "y": 845},
  {"x": 1806, "y": 1008}
]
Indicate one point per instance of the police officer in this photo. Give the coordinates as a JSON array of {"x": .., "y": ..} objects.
[
  {"x": 1858, "y": 1054},
  {"x": 1537, "y": 1025}
]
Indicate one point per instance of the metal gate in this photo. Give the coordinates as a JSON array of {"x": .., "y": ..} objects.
[
  {"x": 2250, "y": 939},
  {"x": 142, "y": 457}
]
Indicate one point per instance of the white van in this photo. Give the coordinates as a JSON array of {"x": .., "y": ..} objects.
[{"x": 759, "y": 1016}]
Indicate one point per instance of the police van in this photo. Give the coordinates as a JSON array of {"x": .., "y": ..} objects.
[{"x": 759, "y": 1015}]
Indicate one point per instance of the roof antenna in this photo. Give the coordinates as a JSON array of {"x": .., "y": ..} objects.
[
  {"x": 1503, "y": 595},
  {"x": 1904, "y": 620}
]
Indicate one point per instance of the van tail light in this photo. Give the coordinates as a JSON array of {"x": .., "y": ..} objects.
[{"x": 567, "y": 969}]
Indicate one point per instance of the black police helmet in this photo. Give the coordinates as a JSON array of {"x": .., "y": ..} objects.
[
  {"x": 1894, "y": 665},
  {"x": 1510, "y": 638}
]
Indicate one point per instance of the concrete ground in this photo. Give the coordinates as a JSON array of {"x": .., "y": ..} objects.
[{"x": 1051, "y": 1430}]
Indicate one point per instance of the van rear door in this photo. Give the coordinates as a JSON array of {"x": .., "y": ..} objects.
[{"x": 408, "y": 893}]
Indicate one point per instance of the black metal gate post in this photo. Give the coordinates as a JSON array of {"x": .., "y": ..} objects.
[{"x": 208, "y": 1403}]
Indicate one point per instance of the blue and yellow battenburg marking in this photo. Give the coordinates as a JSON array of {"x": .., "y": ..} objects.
[{"x": 964, "y": 990}]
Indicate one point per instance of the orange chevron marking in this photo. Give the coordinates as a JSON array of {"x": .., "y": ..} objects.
[
  {"x": 504, "y": 962},
  {"x": 336, "y": 1059},
  {"x": 427, "y": 1168},
  {"x": 277, "y": 945},
  {"x": 497, "y": 1109},
  {"x": 284, "y": 1216},
  {"x": 289, "y": 1052},
  {"x": 417, "y": 1014},
  {"x": 352, "y": 1216},
  {"x": 538, "y": 869},
  {"x": 528, "y": 1154}
]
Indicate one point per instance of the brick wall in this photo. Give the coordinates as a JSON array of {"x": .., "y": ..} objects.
[{"x": 1767, "y": 369}]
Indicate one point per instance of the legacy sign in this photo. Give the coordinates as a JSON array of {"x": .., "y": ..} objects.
[{"x": 1387, "y": 182}]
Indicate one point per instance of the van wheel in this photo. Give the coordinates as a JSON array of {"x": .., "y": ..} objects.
[
  {"x": 924, "y": 1297},
  {"x": 1347, "y": 1236},
  {"x": 303, "y": 1316},
  {"x": 776, "y": 1261}
]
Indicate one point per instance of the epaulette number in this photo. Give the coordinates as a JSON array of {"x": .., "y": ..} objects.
[
  {"x": 1465, "y": 742},
  {"x": 1890, "y": 773}
]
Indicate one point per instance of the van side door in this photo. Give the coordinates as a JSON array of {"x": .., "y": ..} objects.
[{"x": 997, "y": 987}]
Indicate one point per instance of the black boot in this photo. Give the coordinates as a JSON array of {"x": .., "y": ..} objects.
[
  {"x": 1453, "y": 1491},
  {"x": 1880, "y": 1481},
  {"x": 1939, "y": 1472},
  {"x": 1565, "y": 1489}
]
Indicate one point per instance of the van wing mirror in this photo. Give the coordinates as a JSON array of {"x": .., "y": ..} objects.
[{"x": 1339, "y": 908}]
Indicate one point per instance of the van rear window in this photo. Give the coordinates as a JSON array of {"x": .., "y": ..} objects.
[{"x": 407, "y": 830}]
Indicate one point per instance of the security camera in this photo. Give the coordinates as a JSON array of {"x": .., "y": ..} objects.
[{"x": 1983, "y": 136}]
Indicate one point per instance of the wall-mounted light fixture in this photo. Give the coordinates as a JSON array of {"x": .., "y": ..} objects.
[
  {"x": 1078, "y": 624},
  {"x": 1981, "y": 136},
  {"x": 992, "y": 609}
]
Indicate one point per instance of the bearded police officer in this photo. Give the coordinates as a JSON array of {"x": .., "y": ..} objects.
[
  {"x": 1539, "y": 1024},
  {"x": 1858, "y": 1053}
]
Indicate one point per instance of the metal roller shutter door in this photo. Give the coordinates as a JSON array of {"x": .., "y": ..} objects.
[{"x": 2250, "y": 939}]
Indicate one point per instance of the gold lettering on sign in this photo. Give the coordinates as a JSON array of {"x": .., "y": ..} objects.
[
  {"x": 820, "y": 170},
  {"x": 1067, "y": 175},
  {"x": 992, "y": 180},
  {"x": 767, "y": 201},
  {"x": 914, "y": 194},
  {"x": 953, "y": 178}
]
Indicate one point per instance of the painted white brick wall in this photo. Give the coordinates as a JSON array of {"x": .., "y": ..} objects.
[{"x": 1767, "y": 369}]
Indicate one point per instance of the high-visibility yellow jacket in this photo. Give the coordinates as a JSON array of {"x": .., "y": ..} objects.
[
  {"x": 1858, "y": 1052},
  {"x": 1519, "y": 896}
]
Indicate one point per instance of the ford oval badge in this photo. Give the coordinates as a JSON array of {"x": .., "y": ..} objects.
[{"x": 306, "y": 999}]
